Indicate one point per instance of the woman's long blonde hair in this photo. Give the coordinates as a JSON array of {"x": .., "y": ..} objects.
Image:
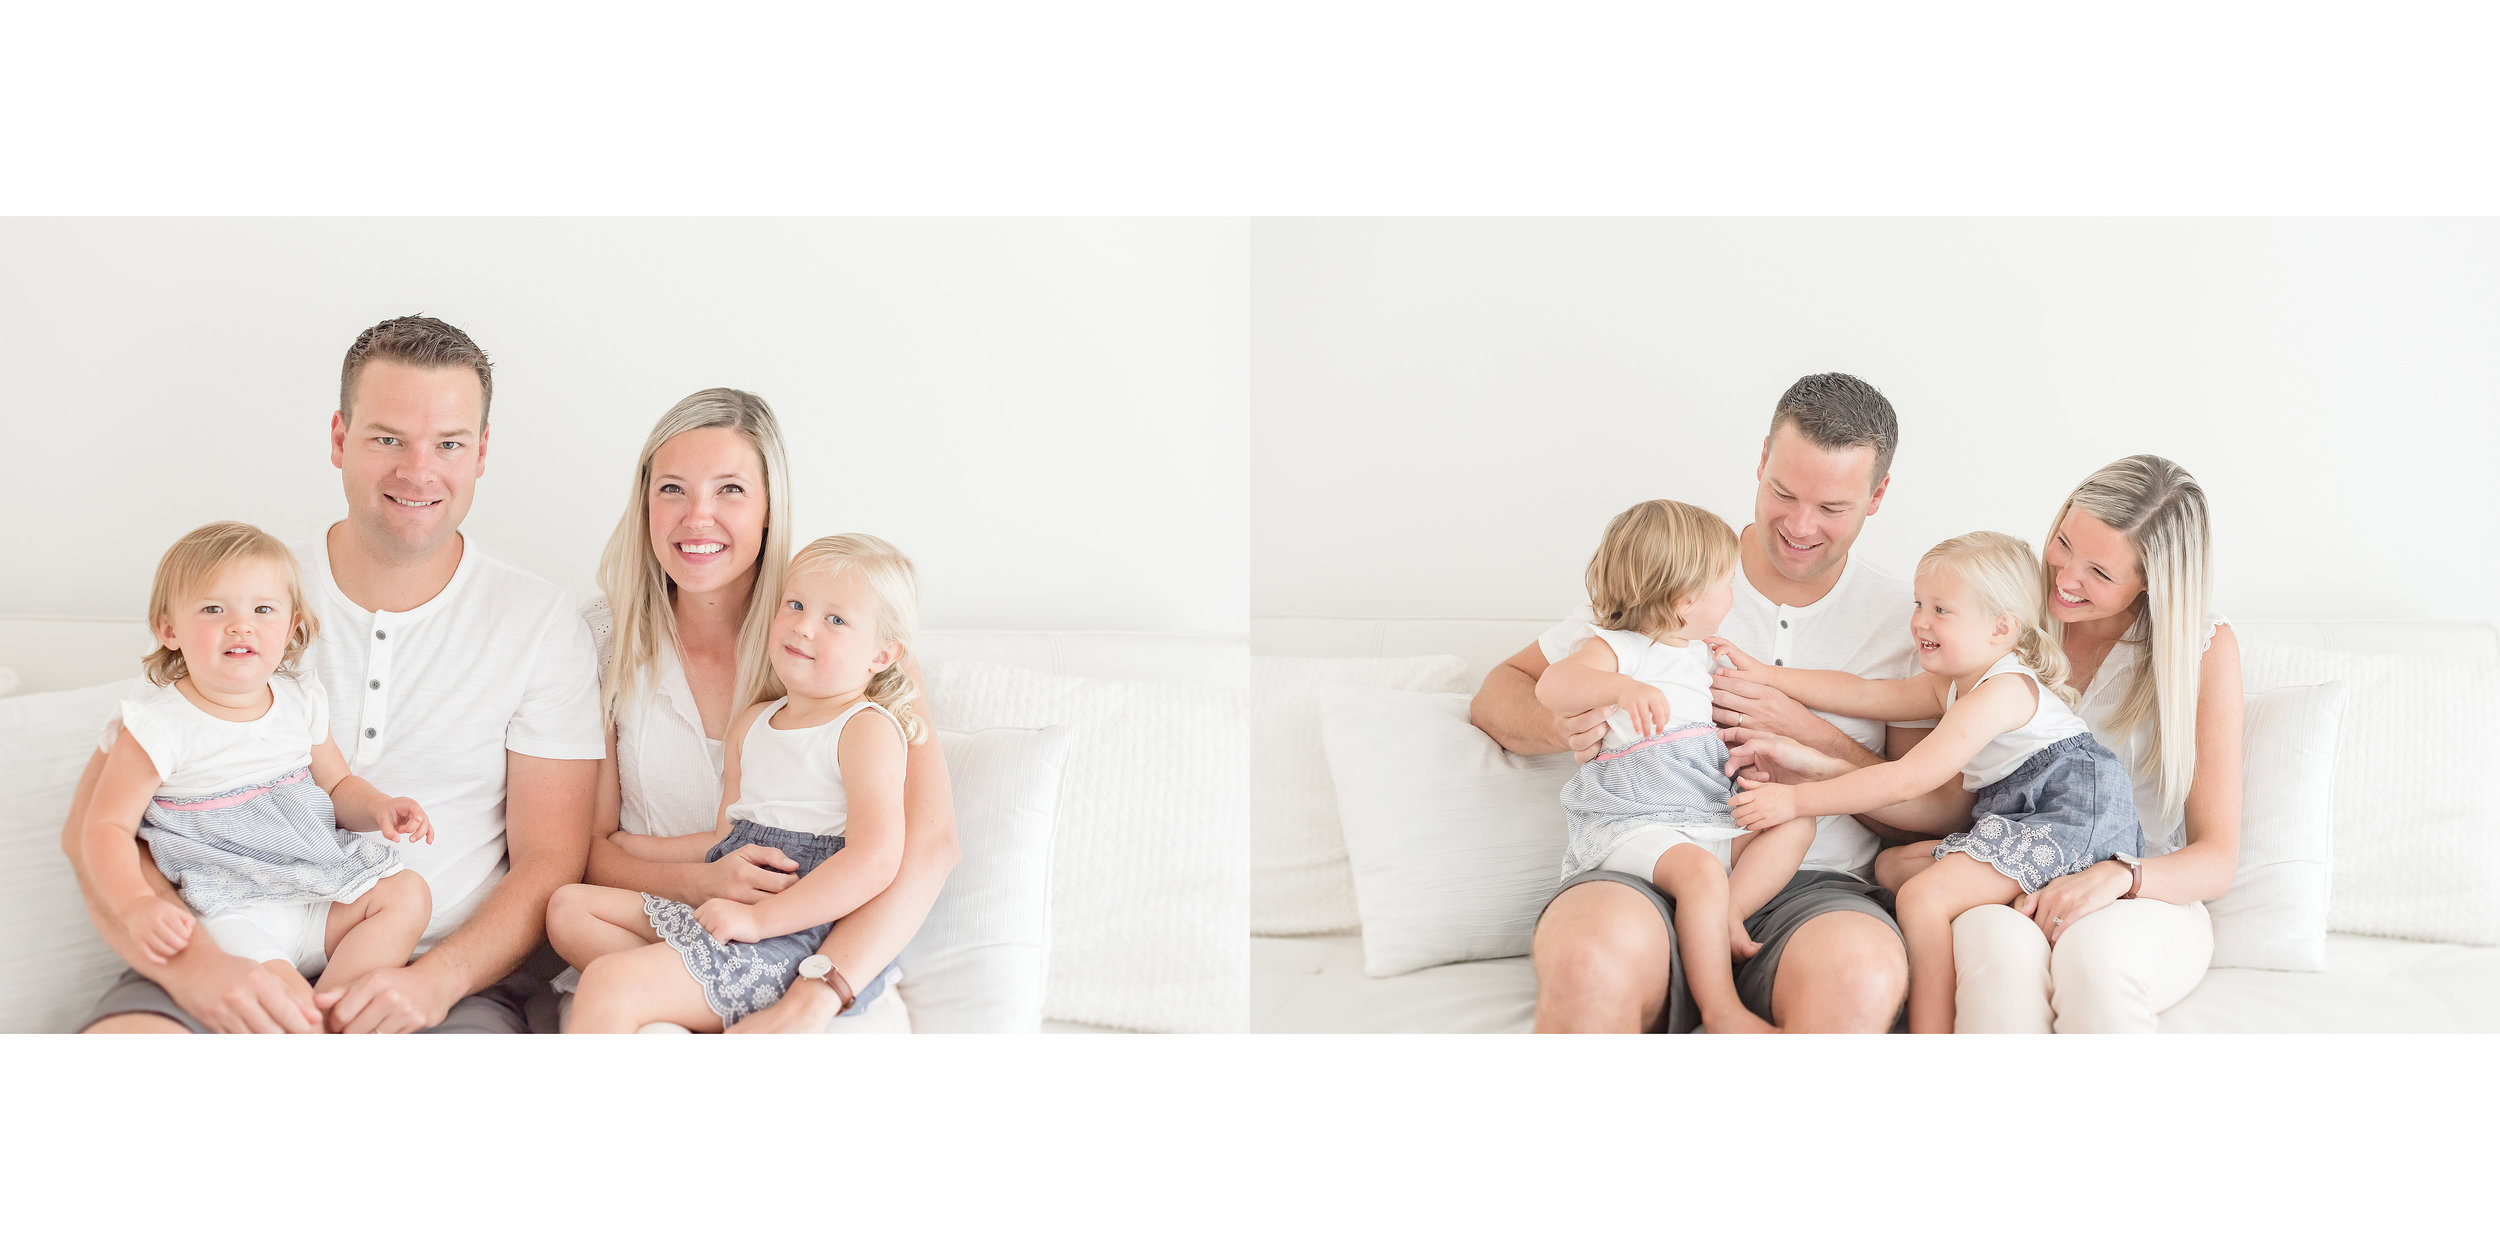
[
  {"x": 197, "y": 557},
  {"x": 2004, "y": 577},
  {"x": 639, "y": 591},
  {"x": 889, "y": 576},
  {"x": 2161, "y": 510}
]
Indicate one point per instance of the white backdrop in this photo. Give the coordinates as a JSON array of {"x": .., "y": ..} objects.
[
  {"x": 1446, "y": 412},
  {"x": 1049, "y": 416}
]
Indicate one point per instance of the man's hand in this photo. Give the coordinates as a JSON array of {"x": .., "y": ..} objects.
[
  {"x": 159, "y": 928},
  {"x": 730, "y": 922},
  {"x": 1766, "y": 756},
  {"x": 808, "y": 1007},
  {"x": 404, "y": 821},
  {"x": 749, "y": 874},
  {"x": 1585, "y": 734},
  {"x": 388, "y": 1000},
  {"x": 1751, "y": 705},
  {"x": 232, "y": 994},
  {"x": 1763, "y": 804}
]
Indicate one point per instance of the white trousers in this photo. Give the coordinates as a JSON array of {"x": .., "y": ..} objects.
[{"x": 2115, "y": 971}]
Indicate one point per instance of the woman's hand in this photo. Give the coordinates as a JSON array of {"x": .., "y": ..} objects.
[
  {"x": 1766, "y": 756},
  {"x": 2062, "y": 902},
  {"x": 749, "y": 874},
  {"x": 1763, "y": 804},
  {"x": 729, "y": 922},
  {"x": 807, "y": 1007}
]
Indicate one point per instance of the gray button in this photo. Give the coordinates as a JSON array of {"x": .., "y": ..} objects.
[
  {"x": 369, "y": 731},
  {"x": 1781, "y": 663},
  {"x": 380, "y": 634},
  {"x": 375, "y": 684},
  {"x": 1783, "y": 624}
]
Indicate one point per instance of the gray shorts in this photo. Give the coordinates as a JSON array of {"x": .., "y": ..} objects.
[
  {"x": 1810, "y": 893},
  {"x": 520, "y": 1003}
]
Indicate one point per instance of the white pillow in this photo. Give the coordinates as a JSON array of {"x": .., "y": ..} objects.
[
  {"x": 1299, "y": 882},
  {"x": 8, "y": 682},
  {"x": 1150, "y": 871},
  {"x": 53, "y": 967},
  {"x": 2417, "y": 814},
  {"x": 2275, "y": 913},
  {"x": 1456, "y": 843},
  {"x": 978, "y": 963}
]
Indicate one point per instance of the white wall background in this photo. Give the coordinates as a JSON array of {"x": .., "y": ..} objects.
[
  {"x": 1049, "y": 416},
  {"x": 1424, "y": 392}
]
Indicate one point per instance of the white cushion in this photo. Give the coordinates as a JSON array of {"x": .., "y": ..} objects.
[
  {"x": 2275, "y": 913},
  {"x": 978, "y": 963},
  {"x": 1150, "y": 880},
  {"x": 1456, "y": 844},
  {"x": 8, "y": 682},
  {"x": 53, "y": 967},
  {"x": 1299, "y": 882},
  {"x": 2417, "y": 816}
]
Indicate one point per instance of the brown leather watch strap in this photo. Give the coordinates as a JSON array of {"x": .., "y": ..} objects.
[
  {"x": 2135, "y": 870},
  {"x": 842, "y": 987}
]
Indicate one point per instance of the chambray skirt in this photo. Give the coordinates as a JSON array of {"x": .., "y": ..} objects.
[
  {"x": 2066, "y": 808},
  {"x": 270, "y": 842},
  {"x": 742, "y": 978},
  {"x": 1677, "y": 777}
]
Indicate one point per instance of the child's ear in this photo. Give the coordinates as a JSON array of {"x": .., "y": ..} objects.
[
  {"x": 165, "y": 633},
  {"x": 888, "y": 656}
]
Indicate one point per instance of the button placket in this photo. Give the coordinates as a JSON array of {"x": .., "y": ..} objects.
[
  {"x": 1780, "y": 635},
  {"x": 375, "y": 720}
]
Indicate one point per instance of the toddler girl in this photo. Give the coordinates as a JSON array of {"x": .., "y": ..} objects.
[
  {"x": 225, "y": 766},
  {"x": 1654, "y": 802},
  {"x": 2050, "y": 799},
  {"x": 816, "y": 775}
]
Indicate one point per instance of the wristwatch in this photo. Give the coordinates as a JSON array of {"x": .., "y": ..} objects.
[
  {"x": 820, "y": 969},
  {"x": 2135, "y": 869}
]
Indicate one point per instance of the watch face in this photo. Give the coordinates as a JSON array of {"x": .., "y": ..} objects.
[{"x": 814, "y": 967}]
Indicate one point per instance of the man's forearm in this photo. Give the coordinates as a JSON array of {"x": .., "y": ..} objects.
[
  {"x": 1506, "y": 710},
  {"x": 501, "y": 932}
]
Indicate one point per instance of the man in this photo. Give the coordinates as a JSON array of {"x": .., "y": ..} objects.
[
  {"x": 1831, "y": 957},
  {"x": 454, "y": 678}
]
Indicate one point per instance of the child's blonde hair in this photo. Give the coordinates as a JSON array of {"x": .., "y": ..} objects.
[
  {"x": 2004, "y": 577},
  {"x": 199, "y": 556},
  {"x": 889, "y": 576},
  {"x": 1656, "y": 555}
]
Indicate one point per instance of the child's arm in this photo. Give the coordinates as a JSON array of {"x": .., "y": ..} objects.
[
  {"x": 1997, "y": 705},
  {"x": 110, "y": 849},
  {"x": 872, "y": 757},
  {"x": 360, "y": 805},
  {"x": 1916, "y": 697},
  {"x": 1591, "y": 678}
]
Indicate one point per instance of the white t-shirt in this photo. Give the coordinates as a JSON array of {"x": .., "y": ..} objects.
[
  {"x": 1861, "y": 626},
  {"x": 1680, "y": 673},
  {"x": 424, "y": 703},
  {"x": 667, "y": 772},
  {"x": 792, "y": 778},
  {"x": 197, "y": 754}
]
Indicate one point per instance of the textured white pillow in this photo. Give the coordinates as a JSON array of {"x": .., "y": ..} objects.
[
  {"x": 2417, "y": 810},
  {"x": 978, "y": 963},
  {"x": 1456, "y": 843},
  {"x": 1150, "y": 871},
  {"x": 2275, "y": 913},
  {"x": 1299, "y": 882},
  {"x": 53, "y": 967}
]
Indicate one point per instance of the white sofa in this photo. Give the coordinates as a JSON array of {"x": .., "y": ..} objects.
[
  {"x": 1317, "y": 984},
  {"x": 60, "y": 954}
]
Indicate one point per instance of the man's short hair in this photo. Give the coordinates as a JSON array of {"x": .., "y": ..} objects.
[
  {"x": 1837, "y": 412},
  {"x": 427, "y": 343}
]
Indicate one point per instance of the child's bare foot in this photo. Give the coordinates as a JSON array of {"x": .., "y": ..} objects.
[
  {"x": 1740, "y": 944},
  {"x": 1736, "y": 1021}
]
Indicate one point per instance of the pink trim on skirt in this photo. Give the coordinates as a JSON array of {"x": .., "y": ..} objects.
[{"x": 236, "y": 799}]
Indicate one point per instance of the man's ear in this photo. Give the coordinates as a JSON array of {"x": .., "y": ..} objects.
[
  {"x": 1877, "y": 500},
  {"x": 1765, "y": 461},
  {"x": 483, "y": 430},
  {"x": 338, "y": 439}
]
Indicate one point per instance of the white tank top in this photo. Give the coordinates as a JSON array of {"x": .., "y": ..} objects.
[
  {"x": 792, "y": 778},
  {"x": 2052, "y": 721},
  {"x": 1680, "y": 673}
]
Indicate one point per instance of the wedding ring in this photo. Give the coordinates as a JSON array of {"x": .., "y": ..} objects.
[{"x": 2057, "y": 920}]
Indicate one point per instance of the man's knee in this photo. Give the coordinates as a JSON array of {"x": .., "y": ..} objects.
[
  {"x": 1843, "y": 972},
  {"x": 136, "y": 1022},
  {"x": 1601, "y": 957}
]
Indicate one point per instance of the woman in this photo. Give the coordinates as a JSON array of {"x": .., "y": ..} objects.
[
  {"x": 2129, "y": 578},
  {"x": 2128, "y": 563},
  {"x": 691, "y": 579}
]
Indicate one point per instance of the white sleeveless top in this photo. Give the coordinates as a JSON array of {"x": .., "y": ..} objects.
[
  {"x": 792, "y": 778},
  {"x": 2051, "y": 722},
  {"x": 1681, "y": 673},
  {"x": 2164, "y": 832}
]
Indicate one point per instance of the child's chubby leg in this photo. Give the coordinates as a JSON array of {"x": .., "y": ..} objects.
[
  {"x": 1763, "y": 863},
  {"x": 1897, "y": 864},
  {"x": 378, "y": 930},
  {"x": 587, "y": 921},
  {"x": 1693, "y": 878},
  {"x": 625, "y": 990},
  {"x": 1927, "y": 905}
]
